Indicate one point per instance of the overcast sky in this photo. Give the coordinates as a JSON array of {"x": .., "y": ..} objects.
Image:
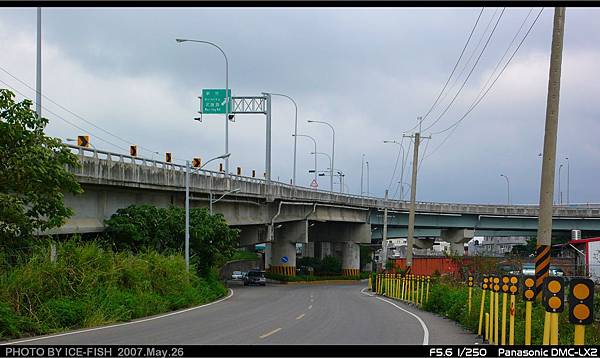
[{"x": 368, "y": 71}]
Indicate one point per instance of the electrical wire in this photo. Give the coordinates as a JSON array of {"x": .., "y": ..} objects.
[
  {"x": 455, "y": 125},
  {"x": 73, "y": 113},
  {"x": 60, "y": 117},
  {"x": 400, "y": 150},
  {"x": 453, "y": 69},
  {"x": 470, "y": 72}
]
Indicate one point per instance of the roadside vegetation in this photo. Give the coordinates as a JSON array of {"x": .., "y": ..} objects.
[
  {"x": 448, "y": 298},
  {"x": 135, "y": 269}
]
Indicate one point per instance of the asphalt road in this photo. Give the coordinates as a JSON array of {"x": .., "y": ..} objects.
[{"x": 281, "y": 314}]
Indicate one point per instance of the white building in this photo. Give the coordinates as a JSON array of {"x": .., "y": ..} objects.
[{"x": 494, "y": 246}]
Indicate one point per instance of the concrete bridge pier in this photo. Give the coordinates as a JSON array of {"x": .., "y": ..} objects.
[
  {"x": 457, "y": 239},
  {"x": 283, "y": 246},
  {"x": 350, "y": 259}
]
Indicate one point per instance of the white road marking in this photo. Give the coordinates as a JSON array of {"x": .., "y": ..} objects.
[
  {"x": 270, "y": 333},
  {"x": 120, "y": 324},
  {"x": 368, "y": 294},
  {"x": 310, "y": 307},
  {"x": 300, "y": 317},
  {"x": 425, "y": 330}
]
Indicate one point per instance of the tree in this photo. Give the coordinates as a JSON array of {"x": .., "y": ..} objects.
[
  {"x": 138, "y": 227},
  {"x": 33, "y": 174}
]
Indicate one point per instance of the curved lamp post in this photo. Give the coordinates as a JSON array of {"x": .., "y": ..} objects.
[
  {"x": 187, "y": 206},
  {"x": 226, "y": 94},
  {"x": 332, "y": 152},
  {"x": 315, "y": 152},
  {"x": 507, "y": 187},
  {"x": 295, "y": 130}
]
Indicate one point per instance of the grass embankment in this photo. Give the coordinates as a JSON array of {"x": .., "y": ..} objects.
[
  {"x": 89, "y": 286},
  {"x": 450, "y": 300},
  {"x": 299, "y": 278}
]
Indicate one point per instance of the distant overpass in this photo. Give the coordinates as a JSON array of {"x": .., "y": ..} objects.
[{"x": 282, "y": 214}]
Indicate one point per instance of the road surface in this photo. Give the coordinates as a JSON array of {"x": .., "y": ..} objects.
[{"x": 281, "y": 314}]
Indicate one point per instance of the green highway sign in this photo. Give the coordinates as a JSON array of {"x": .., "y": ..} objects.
[{"x": 214, "y": 101}]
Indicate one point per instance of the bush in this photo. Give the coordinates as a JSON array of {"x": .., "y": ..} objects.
[
  {"x": 330, "y": 266},
  {"x": 90, "y": 285},
  {"x": 139, "y": 227},
  {"x": 450, "y": 300}
]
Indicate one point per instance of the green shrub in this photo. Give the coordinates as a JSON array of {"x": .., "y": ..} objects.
[
  {"x": 451, "y": 300},
  {"x": 90, "y": 285}
]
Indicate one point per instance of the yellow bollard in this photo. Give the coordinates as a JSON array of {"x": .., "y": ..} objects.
[
  {"x": 505, "y": 282},
  {"x": 487, "y": 326},
  {"x": 417, "y": 290},
  {"x": 410, "y": 283},
  {"x": 546, "y": 339},
  {"x": 528, "y": 322},
  {"x": 369, "y": 284},
  {"x": 484, "y": 287},
  {"x": 491, "y": 326},
  {"x": 399, "y": 286},
  {"x": 511, "y": 325},
  {"x": 579, "y": 338},
  {"x": 422, "y": 288},
  {"x": 403, "y": 287},
  {"x": 470, "y": 284},
  {"x": 554, "y": 329},
  {"x": 496, "y": 309},
  {"x": 427, "y": 296}
]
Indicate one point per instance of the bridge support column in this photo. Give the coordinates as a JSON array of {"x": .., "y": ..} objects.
[
  {"x": 350, "y": 259},
  {"x": 268, "y": 255},
  {"x": 283, "y": 257},
  {"x": 457, "y": 248},
  {"x": 325, "y": 249},
  {"x": 457, "y": 238}
]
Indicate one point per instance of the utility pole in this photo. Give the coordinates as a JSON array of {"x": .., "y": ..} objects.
[
  {"x": 413, "y": 196},
  {"x": 544, "y": 233}
]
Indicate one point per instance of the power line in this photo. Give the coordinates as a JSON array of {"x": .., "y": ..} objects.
[
  {"x": 470, "y": 72},
  {"x": 60, "y": 117},
  {"x": 71, "y": 112},
  {"x": 400, "y": 150},
  {"x": 453, "y": 69},
  {"x": 455, "y": 125}
]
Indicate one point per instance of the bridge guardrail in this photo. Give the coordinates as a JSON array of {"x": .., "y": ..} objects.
[{"x": 104, "y": 165}]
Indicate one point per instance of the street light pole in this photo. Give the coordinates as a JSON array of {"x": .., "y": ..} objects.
[
  {"x": 332, "y": 152},
  {"x": 568, "y": 179},
  {"x": 38, "y": 82},
  {"x": 401, "y": 166},
  {"x": 362, "y": 168},
  {"x": 507, "y": 187},
  {"x": 315, "y": 142},
  {"x": 559, "y": 189},
  {"x": 295, "y": 131},
  {"x": 368, "y": 175},
  {"x": 227, "y": 97},
  {"x": 330, "y": 164},
  {"x": 187, "y": 205}
]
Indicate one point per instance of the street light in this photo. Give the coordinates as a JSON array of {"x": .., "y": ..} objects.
[
  {"x": 295, "y": 130},
  {"x": 559, "y": 190},
  {"x": 362, "y": 169},
  {"x": 332, "y": 152},
  {"x": 226, "y": 95},
  {"x": 315, "y": 152},
  {"x": 507, "y": 187},
  {"x": 568, "y": 178},
  {"x": 330, "y": 166},
  {"x": 187, "y": 206},
  {"x": 401, "y": 166},
  {"x": 368, "y": 193},
  {"x": 221, "y": 197}
]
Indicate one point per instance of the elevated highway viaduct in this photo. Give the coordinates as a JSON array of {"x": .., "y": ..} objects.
[{"x": 282, "y": 215}]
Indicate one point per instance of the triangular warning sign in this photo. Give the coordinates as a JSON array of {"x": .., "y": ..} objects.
[{"x": 314, "y": 184}]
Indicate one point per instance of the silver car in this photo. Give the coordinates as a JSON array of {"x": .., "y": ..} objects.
[{"x": 237, "y": 275}]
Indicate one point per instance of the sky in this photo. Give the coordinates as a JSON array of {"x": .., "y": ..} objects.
[{"x": 369, "y": 72}]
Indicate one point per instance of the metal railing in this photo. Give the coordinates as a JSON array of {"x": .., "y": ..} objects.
[{"x": 103, "y": 163}]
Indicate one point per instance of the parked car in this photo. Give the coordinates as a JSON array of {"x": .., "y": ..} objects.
[
  {"x": 255, "y": 277},
  {"x": 237, "y": 275}
]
